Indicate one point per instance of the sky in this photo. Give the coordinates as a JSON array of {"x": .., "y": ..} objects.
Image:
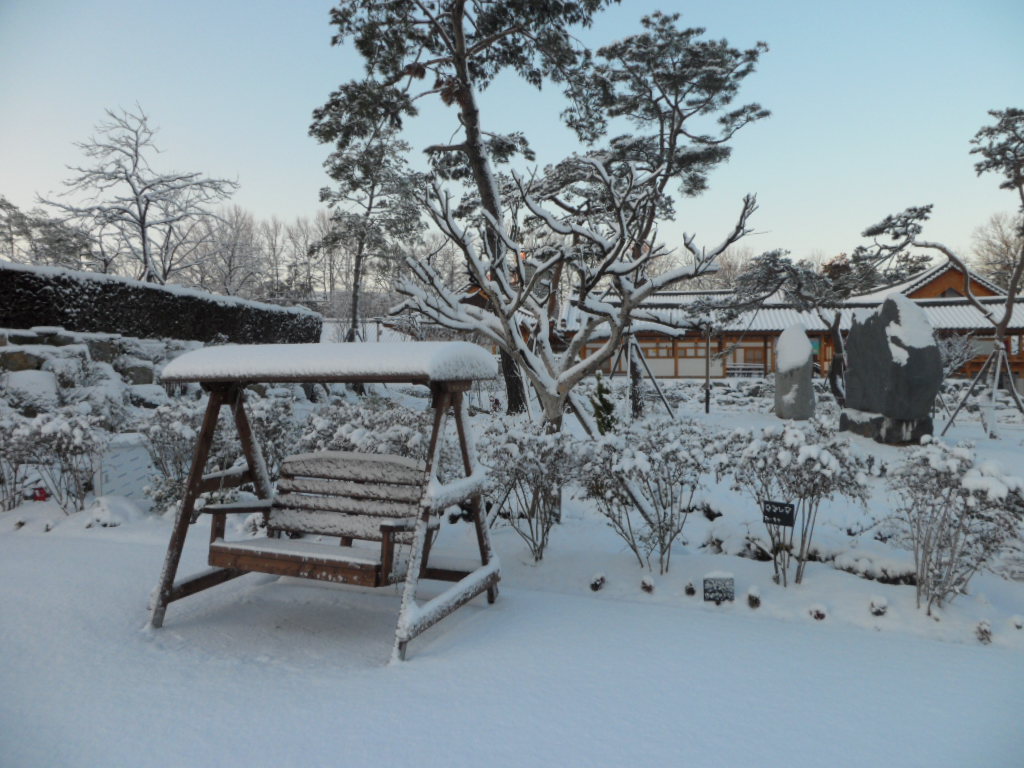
[{"x": 873, "y": 104}]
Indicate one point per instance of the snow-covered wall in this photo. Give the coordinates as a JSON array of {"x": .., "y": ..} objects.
[{"x": 83, "y": 301}]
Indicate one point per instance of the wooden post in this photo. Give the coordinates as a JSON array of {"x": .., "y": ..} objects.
[
  {"x": 188, "y": 504},
  {"x": 483, "y": 534},
  {"x": 440, "y": 400}
]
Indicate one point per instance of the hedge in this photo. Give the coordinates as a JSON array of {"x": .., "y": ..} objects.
[{"x": 83, "y": 301}]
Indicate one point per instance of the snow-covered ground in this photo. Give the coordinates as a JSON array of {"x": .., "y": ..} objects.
[{"x": 266, "y": 671}]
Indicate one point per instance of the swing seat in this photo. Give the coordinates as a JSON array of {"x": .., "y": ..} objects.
[{"x": 348, "y": 496}]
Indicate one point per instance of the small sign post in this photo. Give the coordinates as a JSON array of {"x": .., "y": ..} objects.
[
  {"x": 719, "y": 587},
  {"x": 779, "y": 513}
]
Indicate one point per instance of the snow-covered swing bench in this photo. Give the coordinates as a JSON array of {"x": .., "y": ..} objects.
[{"x": 392, "y": 500}]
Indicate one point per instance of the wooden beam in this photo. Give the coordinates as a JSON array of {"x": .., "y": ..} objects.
[{"x": 203, "y": 581}]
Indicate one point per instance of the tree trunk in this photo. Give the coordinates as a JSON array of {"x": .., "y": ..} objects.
[
  {"x": 636, "y": 401},
  {"x": 515, "y": 391}
]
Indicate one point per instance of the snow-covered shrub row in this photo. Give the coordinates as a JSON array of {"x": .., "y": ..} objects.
[
  {"x": 645, "y": 480},
  {"x": 171, "y": 432},
  {"x": 955, "y": 514},
  {"x": 82, "y": 301},
  {"x": 798, "y": 464},
  {"x": 377, "y": 425},
  {"x": 527, "y": 468}
]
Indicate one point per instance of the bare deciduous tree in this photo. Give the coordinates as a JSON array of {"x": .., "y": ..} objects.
[{"x": 133, "y": 208}]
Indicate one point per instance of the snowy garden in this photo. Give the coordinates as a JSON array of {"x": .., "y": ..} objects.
[
  {"x": 582, "y": 497},
  {"x": 898, "y": 581}
]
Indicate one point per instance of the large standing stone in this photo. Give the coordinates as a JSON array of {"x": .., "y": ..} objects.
[
  {"x": 794, "y": 372},
  {"x": 894, "y": 373}
]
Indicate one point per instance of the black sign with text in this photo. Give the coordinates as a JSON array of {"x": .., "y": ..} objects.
[{"x": 779, "y": 513}]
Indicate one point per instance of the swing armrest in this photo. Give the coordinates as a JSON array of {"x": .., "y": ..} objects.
[{"x": 236, "y": 508}]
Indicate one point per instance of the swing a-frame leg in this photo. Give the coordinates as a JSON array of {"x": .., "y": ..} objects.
[
  {"x": 168, "y": 591},
  {"x": 414, "y": 618}
]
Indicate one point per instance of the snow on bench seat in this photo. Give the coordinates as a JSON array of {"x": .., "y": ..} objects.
[
  {"x": 300, "y": 548},
  {"x": 410, "y": 361}
]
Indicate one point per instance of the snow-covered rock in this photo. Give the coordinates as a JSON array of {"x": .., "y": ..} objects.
[{"x": 794, "y": 388}]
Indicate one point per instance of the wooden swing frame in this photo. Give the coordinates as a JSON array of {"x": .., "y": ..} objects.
[{"x": 227, "y": 390}]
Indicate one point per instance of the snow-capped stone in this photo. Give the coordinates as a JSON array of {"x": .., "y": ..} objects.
[
  {"x": 895, "y": 372},
  {"x": 794, "y": 391}
]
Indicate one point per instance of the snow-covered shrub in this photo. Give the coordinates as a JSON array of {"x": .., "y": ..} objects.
[
  {"x": 14, "y": 456},
  {"x": 754, "y": 598},
  {"x": 955, "y": 514},
  {"x": 647, "y": 585},
  {"x": 817, "y": 612},
  {"x": 983, "y": 632},
  {"x": 275, "y": 429},
  {"x": 377, "y": 425},
  {"x": 171, "y": 431},
  {"x": 596, "y": 583},
  {"x": 604, "y": 408},
  {"x": 527, "y": 468},
  {"x": 799, "y": 464},
  {"x": 956, "y": 350},
  {"x": 645, "y": 480},
  {"x": 879, "y": 605},
  {"x": 65, "y": 448},
  {"x": 689, "y": 590}
]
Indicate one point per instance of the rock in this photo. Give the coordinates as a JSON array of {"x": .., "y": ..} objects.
[
  {"x": 883, "y": 428},
  {"x": 794, "y": 386},
  {"x": 895, "y": 372},
  {"x": 22, "y": 337},
  {"x": 134, "y": 370},
  {"x": 53, "y": 336},
  {"x": 103, "y": 350},
  {"x": 20, "y": 360},
  {"x": 147, "y": 395}
]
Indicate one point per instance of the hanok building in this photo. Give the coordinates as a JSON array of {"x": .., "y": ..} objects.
[{"x": 746, "y": 346}]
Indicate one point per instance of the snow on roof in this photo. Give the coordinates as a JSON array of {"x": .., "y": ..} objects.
[
  {"x": 914, "y": 282},
  {"x": 413, "y": 361},
  {"x": 942, "y": 315}
]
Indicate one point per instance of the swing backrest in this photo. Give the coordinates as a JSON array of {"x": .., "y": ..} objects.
[{"x": 334, "y": 493}]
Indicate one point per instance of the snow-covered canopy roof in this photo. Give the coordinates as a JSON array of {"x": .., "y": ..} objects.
[{"x": 417, "y": 362}]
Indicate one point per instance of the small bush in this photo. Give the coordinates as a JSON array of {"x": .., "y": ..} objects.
[
  {"x": 689, "y": 589},
  {"x": 803, "y": 465},
  {"x": 172, "y": 431},
  {"x": 817, "y": 612},
  {"x": 65, "y": 448},
  {"x": 983, "y": 632},
  {"x": 647, "y": 585},
  {"x": 14, "y": 456},
  {"x": 646, "y": 481},
  {"x": 527, "y": 468},
  {"x": 879, "y": 606},
  {"x": 754, "y": 598},
  {"x": 955, "y": 514},
  {"x": 597, "y": 583}
]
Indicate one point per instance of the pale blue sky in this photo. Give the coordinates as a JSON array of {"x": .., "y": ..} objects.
[{"x": 873, "y": 103}]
